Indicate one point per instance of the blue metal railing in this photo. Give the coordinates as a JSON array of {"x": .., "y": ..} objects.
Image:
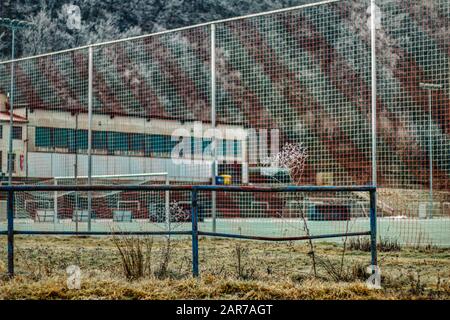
[{"x": 194, "y": 232}]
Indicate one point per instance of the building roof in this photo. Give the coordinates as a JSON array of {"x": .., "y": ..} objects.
[{"x": 5, "y": 116}]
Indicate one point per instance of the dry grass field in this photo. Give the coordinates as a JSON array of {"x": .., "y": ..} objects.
[{"x": 230, "y": 269}]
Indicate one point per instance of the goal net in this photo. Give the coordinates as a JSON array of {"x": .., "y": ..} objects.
[{"x": 117, "y": 206}]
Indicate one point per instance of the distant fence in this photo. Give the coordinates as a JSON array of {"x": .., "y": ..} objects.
[
  {"x": 296, "y": 216},
  {"x": 372, "y": 106}
]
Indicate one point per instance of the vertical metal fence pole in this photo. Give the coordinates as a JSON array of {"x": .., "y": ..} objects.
[
  {"x": 373, "y": 90},
  {"x": 75, "y": 172},
  {"x": 430, "y": 146},
  {"x": 167, "y": 202},
  {"x": 11, "y": 113},
  {"x": 373, "y": 193},
  {"x": 194, "y": 219},
  {"x": 213, "y": 124},
  {"x": 11, "y": 233},
  {"x": 90, "y": 70},
  {"x": 373, "y": 227},
  {"x": 55, "y": 206},
  {"x": 10, "y": 167}
]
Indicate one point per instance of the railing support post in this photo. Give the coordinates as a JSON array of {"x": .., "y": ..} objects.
[
  {"x": 373, "y": 193},
  {"x": 214, "y": 171},
  {"x": 373, "y": 227},
  {"x": 11, "y": 233},
  {"x": 89, "y": 153},
  {"x": 194, "y": 219}
]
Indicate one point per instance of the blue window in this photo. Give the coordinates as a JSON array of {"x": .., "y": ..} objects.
[
  {"x": 99, "y": 140},
  {"x": 17, "y": 133},
  {"x": 229, "y": 148},
  {"x": 237, "y": 148},
  {"x": 150, "y": 145},
  {"x": 205, "y": 144},
  {"x": 43, "y": 137},
  {"x": 196, "y": 146},
  {"x": 147, "y": 144},
  {"x": 137, "y": 142},
  {"x": 82, "y": 139},
  {"x": 220, "y": 148},
  {"x": 158, "y": 143},
  {"x": 71, "y": 140},
  {"x": 162, "y": 145},
  {"x": 60, "y": 138},
  {"x": 117, "y": 141}
]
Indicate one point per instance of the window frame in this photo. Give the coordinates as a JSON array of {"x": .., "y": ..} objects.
[
  {"x": 14, "y": 132},
  {"x": 13, "y": 162}
]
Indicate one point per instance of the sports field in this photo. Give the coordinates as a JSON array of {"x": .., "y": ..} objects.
[
  {"x": 414, "y": 232},
  {"x": 320, "y": 117}
]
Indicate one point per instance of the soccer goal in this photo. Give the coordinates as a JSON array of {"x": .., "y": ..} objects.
[{"x": 80, "y": 206}]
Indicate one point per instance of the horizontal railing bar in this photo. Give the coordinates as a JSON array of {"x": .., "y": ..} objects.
[
  {"x": 105, "y": 176},
  {"x": 155, "y": 187},
  {"x": 201, "y": 233},
  {"x": 204, "y": 24},
  {"x": 101, "y": 233},
  {"x": 284, "y": 188},
  {"x": 238, "y": 236},
  {"x": 164, "y": 187}
]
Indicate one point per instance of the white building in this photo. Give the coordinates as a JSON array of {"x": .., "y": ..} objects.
[
  {"x": 51, "y": 143},
  {"x": 19, "y": 140}
]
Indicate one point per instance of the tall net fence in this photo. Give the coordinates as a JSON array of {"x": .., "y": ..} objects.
[
  {"x": 285, "y": 214},
  {"x": 110, "y": 212},
  {"x": 224, "y": 98},
  {"x": 118, "y": 205},
  {"x": 287, "y": 76},
  {"x": 413, "y": 118},
  {"x": 147, "y": 89}
]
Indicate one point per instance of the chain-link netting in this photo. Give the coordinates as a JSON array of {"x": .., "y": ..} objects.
[{"x": 220, "y": 102}]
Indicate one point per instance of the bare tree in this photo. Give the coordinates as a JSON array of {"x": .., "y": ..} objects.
[
  {"x": 3, "y": 43},
  {"x": 293, "y": 158}
]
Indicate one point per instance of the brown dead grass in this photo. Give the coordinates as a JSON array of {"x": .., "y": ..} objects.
[
  {"x": 278, "y": 271},
  {"x": 208, "y": 287}
]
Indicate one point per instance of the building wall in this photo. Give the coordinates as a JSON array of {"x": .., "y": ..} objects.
[
  {"x": 19, "y": 149},
  {"x": 46, "y": 164},
  {"x": 57, "y": 119},
  {"x": 42, "y": 162}
]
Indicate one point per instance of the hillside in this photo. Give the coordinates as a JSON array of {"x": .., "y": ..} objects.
[{"x": 104, "y": 20}]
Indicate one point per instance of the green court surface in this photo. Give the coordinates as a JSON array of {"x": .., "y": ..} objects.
[{"x": 406, "y": 231}]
